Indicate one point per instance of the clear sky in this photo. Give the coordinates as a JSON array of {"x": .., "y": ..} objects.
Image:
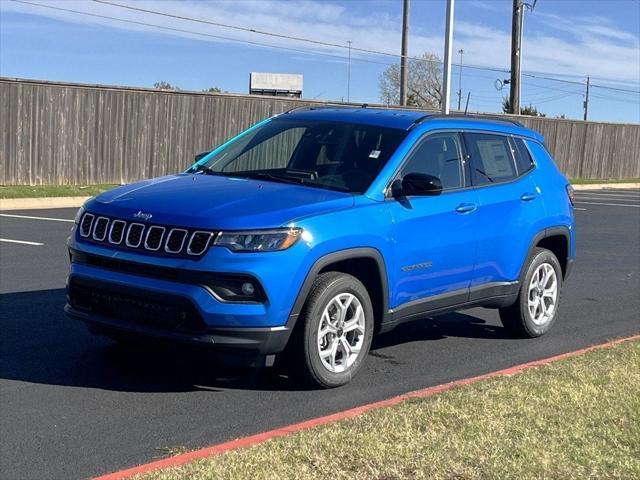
[{"x": 565, "y": 39}]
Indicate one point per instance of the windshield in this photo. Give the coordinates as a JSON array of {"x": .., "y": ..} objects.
[{"x": 325, "y": 154}]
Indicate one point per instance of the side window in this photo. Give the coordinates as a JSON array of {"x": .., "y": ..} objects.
[
  {"x": 524, "y": 161},
  {"x": 438, "y": 155},
  {"x": 491, "y": 158}
]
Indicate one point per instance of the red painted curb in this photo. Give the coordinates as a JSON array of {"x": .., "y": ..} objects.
[{"x": 296, "y": 427}]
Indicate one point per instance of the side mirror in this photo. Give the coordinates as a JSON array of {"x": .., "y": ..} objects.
[
  {"x": 201, "y": 155},
  {"x": 417, "y": 184}
]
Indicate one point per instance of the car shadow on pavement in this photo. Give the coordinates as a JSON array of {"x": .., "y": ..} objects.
[
  {"x": 40, "y": 344},
  {"x": 436, "y": 328}
]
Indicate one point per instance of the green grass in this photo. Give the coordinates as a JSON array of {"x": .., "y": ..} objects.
[
  {"x": 574, "y": 419},
  {"x": 40, "y": 191},
  {"x": 587, "y": 181}
]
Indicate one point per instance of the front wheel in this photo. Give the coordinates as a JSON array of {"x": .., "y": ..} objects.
[
  {"x": 335, "y": 331},
  {"x": 536, "y": 308}
]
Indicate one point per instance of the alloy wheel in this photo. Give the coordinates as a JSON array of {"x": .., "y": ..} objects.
[
  {"x": 341, "y": 332},
  {"x": 543, "y": 294}
]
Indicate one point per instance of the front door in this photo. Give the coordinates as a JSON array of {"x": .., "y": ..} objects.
[{"x": 435, "y": 239}]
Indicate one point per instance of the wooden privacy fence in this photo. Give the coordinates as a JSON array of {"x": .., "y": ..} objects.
[{"x": 55, "y": 133}]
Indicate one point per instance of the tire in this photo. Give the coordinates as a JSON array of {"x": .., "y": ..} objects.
[
  {"x": 536, "y": 308},
  {"x": 309, "y": 362}
]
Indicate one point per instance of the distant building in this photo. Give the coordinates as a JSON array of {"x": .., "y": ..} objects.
[{"x": 275, "y": 84}]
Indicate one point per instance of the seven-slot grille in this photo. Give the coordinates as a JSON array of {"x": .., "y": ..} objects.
[{"x": 154, "y": 238}]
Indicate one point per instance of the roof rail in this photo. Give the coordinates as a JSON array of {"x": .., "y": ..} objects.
[
  {"x": 419, "y": 120},
  {"x": 319, "y": 107},
  {"x": 493, "y": 118}
]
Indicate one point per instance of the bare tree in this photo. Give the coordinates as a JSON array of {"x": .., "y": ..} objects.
[{"x": 425, "y": 83}]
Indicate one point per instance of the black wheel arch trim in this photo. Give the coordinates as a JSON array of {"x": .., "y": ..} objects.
[
  {"x": 336, "y": 257},
  {"x": 562, "y": 230}
]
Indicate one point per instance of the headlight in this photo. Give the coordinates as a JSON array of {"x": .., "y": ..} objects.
[
  {"x": 259, "y": 240},
  {"x": 79, "y": 215}
]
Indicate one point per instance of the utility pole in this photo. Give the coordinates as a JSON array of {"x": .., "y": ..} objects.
[
  {"x": 461, "y": 51},
  {"x": 404, "y": 77},
  {"x": 516, "y": 50},
  {"x": 448, "y": 44},
  {"x": 586, "y": 101},
  {"x": 349, "y": 74}
]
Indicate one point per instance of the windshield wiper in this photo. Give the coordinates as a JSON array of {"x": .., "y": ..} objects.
[
  {"x": 270, "y": 176},
  {"x": 206, "y": 170}
]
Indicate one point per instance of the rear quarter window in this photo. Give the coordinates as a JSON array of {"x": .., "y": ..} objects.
[
  {"x": 492, "y": 158},
  {"x": 524, "y": 162}
]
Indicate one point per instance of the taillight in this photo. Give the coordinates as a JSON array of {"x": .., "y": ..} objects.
[{"x": 570, "y": 194}]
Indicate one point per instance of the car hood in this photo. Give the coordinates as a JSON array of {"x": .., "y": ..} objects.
[{"x": 207, "y": 201}]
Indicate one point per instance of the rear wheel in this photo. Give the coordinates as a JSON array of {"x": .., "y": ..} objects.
[
  {"x": 536, "y": 308},
  {"x": 335, "y": 331}
]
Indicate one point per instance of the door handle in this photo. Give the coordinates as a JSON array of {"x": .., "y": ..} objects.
[
  {"x": 466, "y": 207},
  {"x": 527, "y": 197}
]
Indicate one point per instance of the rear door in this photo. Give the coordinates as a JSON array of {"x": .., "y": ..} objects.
[
  {"x": 434, "y": 236},
  {"x": 510, "y": 210}
]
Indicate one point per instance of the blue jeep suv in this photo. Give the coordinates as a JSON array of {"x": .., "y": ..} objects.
[{"x": 315, "y": 229}]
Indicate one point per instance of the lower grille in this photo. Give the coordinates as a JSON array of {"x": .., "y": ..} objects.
[{"x": 134, "y": 306}]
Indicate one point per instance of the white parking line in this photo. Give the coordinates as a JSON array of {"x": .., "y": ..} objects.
[
  {"x": 608, "y": 199},
  {"x": 36, "y": 218},
  {"x": 581, "y": 209},
  {"x": 616, "y": 195},
  {"x": 21, "y": 242},
  {"x": 609, "y": 204},
  {"x": 611, "y": 190}
]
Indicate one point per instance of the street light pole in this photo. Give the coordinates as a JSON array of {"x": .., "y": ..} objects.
[
  {"x": 461, "y": 51},
  {"x": 448, "y": 43}
]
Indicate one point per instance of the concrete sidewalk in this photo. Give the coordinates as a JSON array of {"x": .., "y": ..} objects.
[
  {"x": 38, "y": 203},
  {"x": 71, "y": 202}
]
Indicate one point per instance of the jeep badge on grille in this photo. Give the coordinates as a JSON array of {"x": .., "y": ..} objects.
[{"x": 142, "y": 215}]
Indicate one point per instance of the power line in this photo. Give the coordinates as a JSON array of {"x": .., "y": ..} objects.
[
  {"x": 550, "y": 99},
  {"x": 637, "y": 92},
  {"x": 192, "y": 32},
  {"x": 623, "y": 100},
  {"x": 576, "y": 82},
  {"x": 547, "y": 87},
  {"x": 542, "y": 94},
  {"x": 336, "y": 45},
  {"x": 249, "y": 42},
  {"x": 289, "y": 37}
]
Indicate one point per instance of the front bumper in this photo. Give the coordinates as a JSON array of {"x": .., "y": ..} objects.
[
  {"x": 259, "y": 341},
  {"x": 110, "y": 308},
  {"x": 140, "y": 299}
]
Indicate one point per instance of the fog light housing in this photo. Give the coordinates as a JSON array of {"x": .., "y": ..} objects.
[{"x": 237, "y": 289}]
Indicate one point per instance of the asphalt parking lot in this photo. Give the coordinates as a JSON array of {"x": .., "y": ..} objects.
[{"x": 73, "y": 405}]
